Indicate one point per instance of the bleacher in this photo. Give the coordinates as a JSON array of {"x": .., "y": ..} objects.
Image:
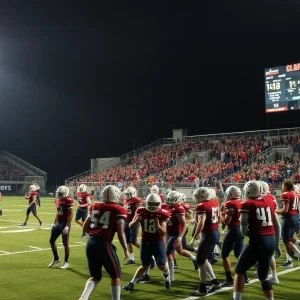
[
  {"x": 271, "y": 155},
  {"x": 16, "y": 175}
]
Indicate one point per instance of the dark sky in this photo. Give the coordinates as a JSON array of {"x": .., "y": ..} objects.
[{"x": 79, "y": 81}]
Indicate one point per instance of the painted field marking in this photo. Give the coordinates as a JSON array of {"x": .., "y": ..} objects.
[
  {"x": 5, "y": 252},
  {"x": 225, "y": 289},
  {"x": 37, "y": 248}
]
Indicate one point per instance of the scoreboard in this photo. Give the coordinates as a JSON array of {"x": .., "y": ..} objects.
[{"x": 282, "y": 88}]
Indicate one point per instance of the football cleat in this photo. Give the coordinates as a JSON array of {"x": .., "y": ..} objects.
[
  {"x": 274, "y": 280},
  {"x": 167, "y": 281},
  {"x": 129, "y": 287},
  {"x": 144, "y": 279},
  {"x": 41, "y": 223},
  {"x": 215, "y": 286},
  {"x": 247, "y": 281},
  {"x": 84, "y": 236},
  {"x": 129, "y": 262},
  {"x": 287, "y": 265},
  {"x": 226, "y": 283},
  {"x": 0, "y": 212},
  {"x": 64, "y": 266},
  {"x": 54, "y": 262},
  {"x": 175, "y": 266},
  {"x": 199, "y": 293},
  {"x": 22, "y": 225}
]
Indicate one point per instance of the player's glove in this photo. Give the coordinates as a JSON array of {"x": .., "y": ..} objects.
[
  {"x": 278, "y": 252},
  {"x": 66, "y": 230}
]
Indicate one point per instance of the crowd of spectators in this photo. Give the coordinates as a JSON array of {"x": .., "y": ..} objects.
[
  {"x": 9, "y": 169},
  {"x": 237, "y": 160}
]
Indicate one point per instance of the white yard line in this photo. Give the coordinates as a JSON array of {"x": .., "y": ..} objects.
[
  {"x": 5, "y": 252},
  {"x": 37, "y": 248},
  {"x": 225, "y": 289}
]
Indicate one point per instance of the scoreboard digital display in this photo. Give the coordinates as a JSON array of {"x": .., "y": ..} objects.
[{"x": 282, "y": 88}]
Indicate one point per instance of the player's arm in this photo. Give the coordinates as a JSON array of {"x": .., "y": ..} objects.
[
  {"x": 69, "y": 220},
  {"x": 33, "y": 200},
  {"x": 285, "y": 207},
  {"x": 135, "y": 221},
  {"x": 277, "y": 234},
  {"x": 161, "y": 226},
  {"x": 88, "y": 203},
  {"x": 121, "y": 237},
  {"x": 244, "y": 223},
  {"x": 87, "y": 225},
  {"x": 226, "y": 216}
]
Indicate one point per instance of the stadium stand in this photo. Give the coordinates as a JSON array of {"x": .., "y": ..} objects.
[
  {"x": 271, "y": 156},
  {"x": 16, "y": 175}
]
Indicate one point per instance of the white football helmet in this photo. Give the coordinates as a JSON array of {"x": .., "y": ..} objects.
[
  {"x": 154, "y": 189},
  {"x": 265, "y": 187},
  {"x": 182, "y": 197},
  {"x": 201, "y": 194},
  {"x": 253, "y": 189},
  {"x": 111, "y": 194},
  {"x": 153, "y": 202},
  {"x": 32, "y": 188},
  {"x": 173, "y": 198},
  {"x": 82, "y": 188},
  {"x": 213, "y": 194},
  {"x": 233, "y": 192},
  {"x": 296, "y": 189},
  {"x": 62, "y": 192},
  {"x": 130, "y": 192}
]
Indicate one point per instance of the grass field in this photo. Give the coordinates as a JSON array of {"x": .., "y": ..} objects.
[{"x": 25, "y": 254}]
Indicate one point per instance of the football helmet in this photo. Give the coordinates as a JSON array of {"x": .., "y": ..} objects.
[
  {"x": 32, "y": 188},
  {"x": 173, "y": 197},
  {"x": 201, "y": 194},
  {"x": 233, "y": 192},
  {"x": 62, "y": 192},
  {"x": 154, "y": 189},
  {"x": 82, "y": 188},
  {"x": 153, "y": 202},
  {"x": 265, "y": 187},
  {"x": 182, "y": 197},
  {"x": 130, "y": 192},
  {"x": 253, "y": 189},
  {"x": 111, "y": 194},
  {"x": 213, "y": 194},
  {"x": 296, "y": 189}
]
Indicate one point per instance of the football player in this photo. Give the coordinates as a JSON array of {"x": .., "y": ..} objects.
[
  {"x": 153, "y": 222},
  {"x": 84, "y": 200},
  {"x": 290, "y": 218},
  {"x": 155, "y": 190},
  {"x": 31, "y": 197},
  {"x": 260, "y": 223},
  {"x": 62, "y": 225},
  {"x": 297, "y": 229},
  {"x": 176, "y": 228},
  {"x": 207, "y": 215},
  {"x": 233, "y": 240},
  {"x": 104, "y": 220},
  {"x": 131, "y": 203}
]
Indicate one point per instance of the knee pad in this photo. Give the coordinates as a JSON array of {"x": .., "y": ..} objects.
[{"x": 266, "y": 285}]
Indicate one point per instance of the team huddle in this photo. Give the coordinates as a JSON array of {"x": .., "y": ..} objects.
[{"x": 251, "y": 212}]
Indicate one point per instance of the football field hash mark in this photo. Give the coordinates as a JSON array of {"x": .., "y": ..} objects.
[{"x": 230, "y": 288}]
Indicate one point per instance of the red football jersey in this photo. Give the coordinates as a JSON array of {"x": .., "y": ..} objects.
[
  {"x": 162, "y": 197},
  {"x": 104, "y": 218},
  {"x": 149, "y": 231},
  {"x": 173, "y": 225},
  {"x": 62, "y": 206},
  {"x": 131, "y": 206},
  {"x": 31, "y": 197},
  {"x": 164, "y": 206},
  {"x": 81, "y": 198},
  {"x": 211, "y": 209},
  {"x": 261, "y": 216},
  {"x": 293, "y": 200},
  {"x": 231, "y": 208}
]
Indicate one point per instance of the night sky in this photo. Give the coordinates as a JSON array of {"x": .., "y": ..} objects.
[{"x": 79, "y": 81}]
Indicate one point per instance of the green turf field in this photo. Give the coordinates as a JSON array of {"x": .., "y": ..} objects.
[{"x": 25, "y": 254}]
